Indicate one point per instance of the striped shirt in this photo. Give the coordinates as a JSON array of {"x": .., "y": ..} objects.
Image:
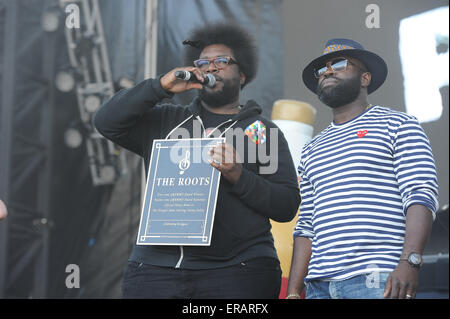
[{"x": 357, "y": 181}]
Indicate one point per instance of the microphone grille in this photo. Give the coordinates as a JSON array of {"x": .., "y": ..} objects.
[{"x": 211, "y": 80}]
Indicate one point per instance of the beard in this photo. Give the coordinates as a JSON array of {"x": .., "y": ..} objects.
[
  {"x": 228, "y": 94},
  {"x": 344, "y": 92}
]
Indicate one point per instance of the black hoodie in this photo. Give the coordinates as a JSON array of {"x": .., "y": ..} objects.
[{"x": 241, "y": 229}]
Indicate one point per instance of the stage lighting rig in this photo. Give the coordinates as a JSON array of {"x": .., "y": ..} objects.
[
  {"x": 65, "y": 81},
  {"x": 73, "y": 137},
  {"x": 88, "y": 56},
  {"x": 50, "y": 20},
  {"x": 124, "y": 83}
]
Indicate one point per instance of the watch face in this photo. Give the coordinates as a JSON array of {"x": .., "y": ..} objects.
[{"x": 415, "y": 259}]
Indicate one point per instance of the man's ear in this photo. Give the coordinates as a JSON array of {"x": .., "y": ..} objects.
[
  {"x": 366, "y": 78},
  {"x": 242, "y": 78}
]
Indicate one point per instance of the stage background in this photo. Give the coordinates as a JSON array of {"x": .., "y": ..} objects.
[{"x": 94, "y": 227}]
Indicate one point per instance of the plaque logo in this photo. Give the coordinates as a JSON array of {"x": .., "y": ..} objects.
[{"x": 185, "y": 163}]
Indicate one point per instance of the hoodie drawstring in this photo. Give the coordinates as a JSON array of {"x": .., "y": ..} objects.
[
  {"x": 178, "y": 126},
  {"x": 204, "y": 129}
]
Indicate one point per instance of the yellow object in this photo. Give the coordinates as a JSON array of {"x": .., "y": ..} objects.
[
  {"x": 282, "y": 233},
  {"x": 288, "y": 112},
  {"x": 293, "y": 110}
]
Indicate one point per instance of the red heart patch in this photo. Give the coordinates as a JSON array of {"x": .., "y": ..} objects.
[{"x": 362, "y": 133}]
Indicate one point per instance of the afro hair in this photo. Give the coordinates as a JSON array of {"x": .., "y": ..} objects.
[{"x": 236, "y": 38}]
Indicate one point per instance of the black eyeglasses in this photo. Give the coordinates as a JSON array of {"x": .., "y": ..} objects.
[
  {"x": 336, "y": 65},
  {"x": 219, "y": 62}
]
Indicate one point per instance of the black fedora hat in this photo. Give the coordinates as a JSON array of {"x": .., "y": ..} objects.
[{"x": 346, "y": 47}]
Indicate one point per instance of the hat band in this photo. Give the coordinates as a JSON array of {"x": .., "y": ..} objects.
[{"x": 336, "y": 47}]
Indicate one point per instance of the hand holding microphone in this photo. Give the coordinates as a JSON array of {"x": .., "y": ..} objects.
[
  {"x": 182, "y": 79},
  {"x": 209, "y": 79}
]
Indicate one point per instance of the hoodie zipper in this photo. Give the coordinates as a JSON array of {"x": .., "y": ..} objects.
[{"x": 204, "y": 135}]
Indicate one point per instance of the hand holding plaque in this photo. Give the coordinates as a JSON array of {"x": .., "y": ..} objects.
[{"x": 225, "y": 159}]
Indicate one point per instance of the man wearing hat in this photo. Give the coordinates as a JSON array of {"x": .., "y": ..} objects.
[{"x": 368, "y": 187}]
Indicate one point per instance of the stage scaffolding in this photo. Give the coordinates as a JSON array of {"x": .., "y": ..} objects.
[{"x": 30, "y": 79}]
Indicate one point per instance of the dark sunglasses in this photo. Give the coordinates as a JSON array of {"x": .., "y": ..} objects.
[{"x": 336, "y": 65}]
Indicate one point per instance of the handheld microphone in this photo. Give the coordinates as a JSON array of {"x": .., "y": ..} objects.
[{"x": 209, "y": 81}]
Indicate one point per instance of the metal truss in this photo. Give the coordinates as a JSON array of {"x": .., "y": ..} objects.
[
  {"x": 94, "y": 85},
  {"x": 28, "y": 55}
]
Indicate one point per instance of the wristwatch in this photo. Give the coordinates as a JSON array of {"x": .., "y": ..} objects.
[{"x": 414, "y": 259}]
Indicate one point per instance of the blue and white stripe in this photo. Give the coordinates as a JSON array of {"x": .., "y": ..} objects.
[{"x": 356, "y": 191}]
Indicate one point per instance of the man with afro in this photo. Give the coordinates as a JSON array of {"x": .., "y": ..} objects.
[{"x": 241, "y": 261}]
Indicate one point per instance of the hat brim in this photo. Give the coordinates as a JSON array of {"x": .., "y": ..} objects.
[{"x": 374, "y": 63}]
